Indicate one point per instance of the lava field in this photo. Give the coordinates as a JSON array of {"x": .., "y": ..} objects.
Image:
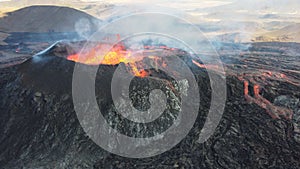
[{"x": 260, "y": 127}]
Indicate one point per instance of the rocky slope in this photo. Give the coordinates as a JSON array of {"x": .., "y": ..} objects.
[
  {"x": 48, "y": 19},
  {"x": 39, "y": 127}
]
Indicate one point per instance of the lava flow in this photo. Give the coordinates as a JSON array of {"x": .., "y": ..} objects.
[
  {"x": 133, "y": 60},
  {"x": 119, "y": 54},
  {"x": 274, "y": 111},
  {"x": 258, "y": 78}
]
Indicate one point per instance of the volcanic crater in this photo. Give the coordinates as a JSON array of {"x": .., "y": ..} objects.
[{"x": 260, "y": 124}]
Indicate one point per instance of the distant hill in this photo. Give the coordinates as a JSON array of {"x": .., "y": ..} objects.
[
  {"x": 48, "y": 19},
  {"x": 289, "y": 33}
]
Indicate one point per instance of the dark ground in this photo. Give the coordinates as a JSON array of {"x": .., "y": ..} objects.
[{"x": 39, "y": 127}]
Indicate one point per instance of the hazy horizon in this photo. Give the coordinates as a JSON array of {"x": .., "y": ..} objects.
[{"x": 229, "y": 19}]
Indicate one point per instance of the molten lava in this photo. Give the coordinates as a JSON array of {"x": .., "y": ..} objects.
[
  {"x": 118, "y": 54},
  {"x": 274, "y": 111}
]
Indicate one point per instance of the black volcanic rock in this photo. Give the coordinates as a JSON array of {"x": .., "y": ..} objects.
[
  {"x": 38, "y": 117},
  {"x": 39, "y": 127}
]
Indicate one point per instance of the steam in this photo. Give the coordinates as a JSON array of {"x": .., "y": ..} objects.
[
  {"x": 83, "y": 28},
  {"x": 231, "y": 21},
  {"x": 214, "y": 31}
]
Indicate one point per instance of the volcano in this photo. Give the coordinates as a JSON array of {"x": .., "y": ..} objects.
[
  {"x": 32, "y": 19},
  {"x": 260, "y": 126}
]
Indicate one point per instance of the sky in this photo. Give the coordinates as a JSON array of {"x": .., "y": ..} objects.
[{"x": 256, "y": 6}]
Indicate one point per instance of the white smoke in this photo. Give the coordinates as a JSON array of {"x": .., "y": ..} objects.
[{"x": 83, "y": 28}]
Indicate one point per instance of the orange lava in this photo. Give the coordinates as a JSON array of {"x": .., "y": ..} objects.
[
  {"x": 274, "y": 111},
  {"x": 208, "y": 66},
  {"x": 118, "y": 54},
  {"x": 256, "y": 90},
  {"x": 246, "y": 86}
]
